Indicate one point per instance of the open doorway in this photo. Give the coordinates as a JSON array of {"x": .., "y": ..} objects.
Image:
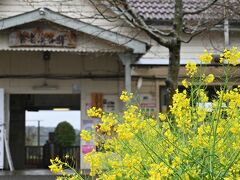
[
  {"x": 40, "y": 123},
  {"x": 33, "y": 119},
  {"x": 39, "y": 129}
]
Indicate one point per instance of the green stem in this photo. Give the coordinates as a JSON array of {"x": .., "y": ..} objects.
[
  {"x": 215, "y": 125},
  {"x": 149, "y": 148}
]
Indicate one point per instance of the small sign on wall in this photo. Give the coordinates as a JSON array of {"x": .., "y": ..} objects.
[
  {"x": 42, "y": 37},
  {"x": 110, "y": 103},
  {"x": 148, "y": 103}
]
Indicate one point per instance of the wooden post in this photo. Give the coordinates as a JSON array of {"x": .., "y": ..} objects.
[
  {"x": 127, "y": 60},
  {"x": 3, "y": 134}
]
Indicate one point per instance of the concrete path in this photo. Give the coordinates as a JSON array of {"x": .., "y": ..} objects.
[{"x": 42, "y": 174}]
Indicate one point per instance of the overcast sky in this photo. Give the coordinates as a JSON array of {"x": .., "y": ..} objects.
[{"x": 52, "y": 118}]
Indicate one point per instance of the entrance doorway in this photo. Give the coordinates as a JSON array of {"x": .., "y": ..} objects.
[{"x": 33, "y": 119}]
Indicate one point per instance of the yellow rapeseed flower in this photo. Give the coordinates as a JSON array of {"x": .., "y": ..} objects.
[
  {"x": 191, "y": 68},
  {"x": 202, "y": 96},
  {"x": 185, "y": 83},
  {"x": 125, "y": 131},
  {"x": 201, "y": 112},
  {"x": 95, "y": 112},
  {"x": 94, "y": 160},
  {"x": 231, "y": 56},
  {"x": 162, "y": 117},
  {"x": 206, "y": 58},
  {"x": 125, "y": 96},
  {"x": 56, "y": 166},
  {"x": 108, "y": 177},
  {"x": 85, "y": 135},
  {"x": 209, "y": 79},
  {"x": 159, "y": 171}
]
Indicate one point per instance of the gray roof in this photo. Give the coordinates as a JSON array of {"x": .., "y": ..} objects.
[{"x": 153, "y": 10}]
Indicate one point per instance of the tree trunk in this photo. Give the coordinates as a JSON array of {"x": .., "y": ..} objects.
[{"x": 173, "y": 70}]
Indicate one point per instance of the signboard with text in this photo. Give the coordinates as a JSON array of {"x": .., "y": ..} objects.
[{"x": 42, "y": 37}]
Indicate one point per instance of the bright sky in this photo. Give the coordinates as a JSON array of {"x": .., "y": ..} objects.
[{"x": 52, "y": 118}]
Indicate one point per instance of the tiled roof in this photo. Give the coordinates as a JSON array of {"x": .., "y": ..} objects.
[{"x": 164, "y": 9}]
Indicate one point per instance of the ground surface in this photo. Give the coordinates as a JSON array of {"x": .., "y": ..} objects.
[{"x": 40, "y": 174}]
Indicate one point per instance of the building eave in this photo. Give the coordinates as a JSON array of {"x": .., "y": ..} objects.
[{"x": 137, "y": 47}]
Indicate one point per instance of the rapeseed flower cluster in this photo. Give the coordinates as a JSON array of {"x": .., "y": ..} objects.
[
  {"x": 56, "y": 165},
  {"x": 94, "y": 112},
  {"x": 162, "y": 117},
  {"x": 209, "y": 79},
  {"x": 230, "y": 56},
  {"x": 191, "y": 141},
  {"x": 191, "y": 69},
  {"x": 185, "y": 83},
  {"x": 125, "y": 96},
  {"x": 85, "y": 135},
  {"x": 59, "y": 167},
  {"x": 206, "y": 57}
]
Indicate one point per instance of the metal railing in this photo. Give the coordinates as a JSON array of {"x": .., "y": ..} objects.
[
  {"x": 34, "y": 156},
  {"x": 39, "y": 156}
]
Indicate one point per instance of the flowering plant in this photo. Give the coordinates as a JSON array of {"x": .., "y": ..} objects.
[
  {"x": 191, "y": 141},
  {"x": 62, "y": 168}
]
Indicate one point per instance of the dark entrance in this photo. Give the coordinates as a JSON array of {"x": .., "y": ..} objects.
[{"x": 19, "y": 103}]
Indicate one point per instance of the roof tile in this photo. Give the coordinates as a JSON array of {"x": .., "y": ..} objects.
[{"x": 164, "y": 9}]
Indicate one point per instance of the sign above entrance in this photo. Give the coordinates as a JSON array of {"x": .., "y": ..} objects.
[{"x": 42, "y": 37}]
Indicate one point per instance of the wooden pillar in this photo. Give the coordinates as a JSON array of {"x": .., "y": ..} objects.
[
  {"x": 17, "y": 130},
  {"x": 127, "y": 60},
  {"x": 2, "y": 123}
]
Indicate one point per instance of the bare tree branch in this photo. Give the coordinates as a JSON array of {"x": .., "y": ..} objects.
[
  {"x": 122, "y": 8},
  {"x": 139, "y": 22},
  {"x": 193, "y": 35},
  {"x": 201, "y": 30},
  {"x": 103, "y": 13},
  {"x": 171, "y": 38}
]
